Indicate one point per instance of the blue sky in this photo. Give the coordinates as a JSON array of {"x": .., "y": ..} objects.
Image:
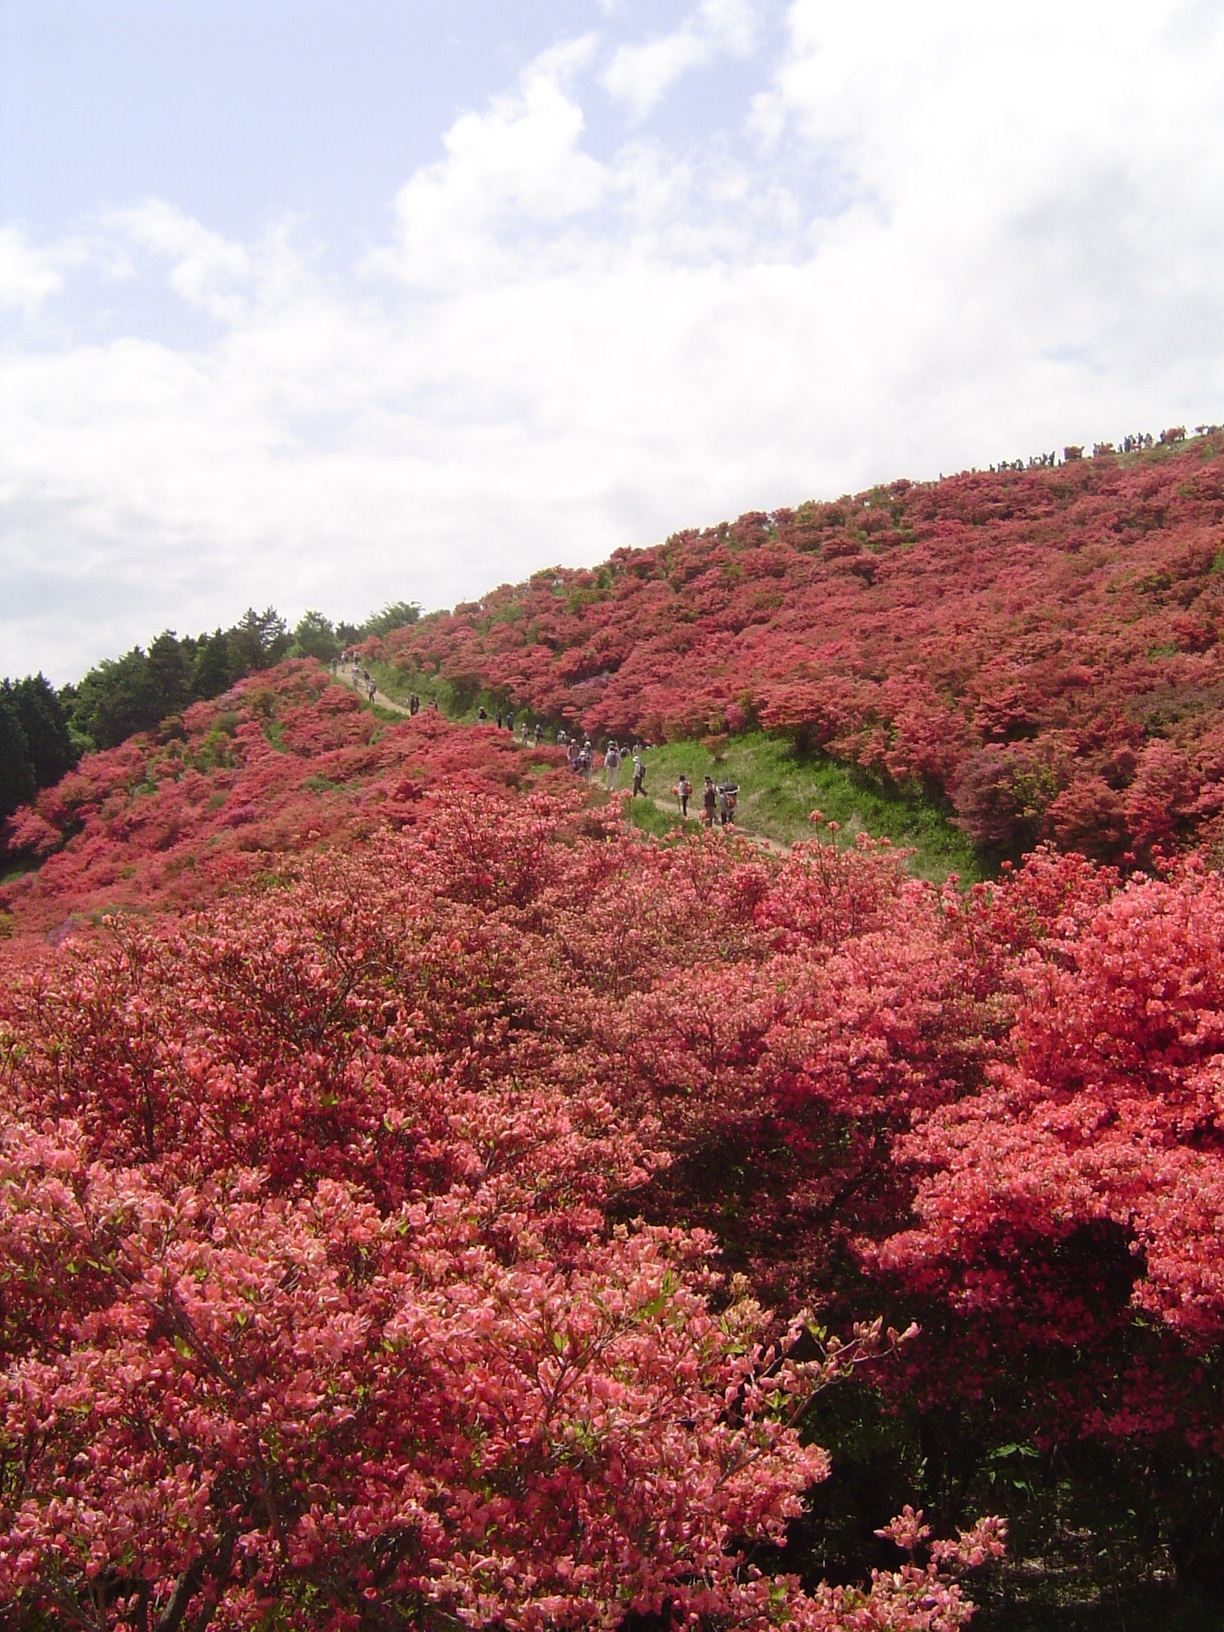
[
  {"x": 240, "y": 110},
  {"x": 334, "y": 304}
]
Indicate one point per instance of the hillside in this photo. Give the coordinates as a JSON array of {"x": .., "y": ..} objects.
[
  {"x": 428, "y": 1201},
  {"x": 1040, "y": 648},
  {"x": 287, "y": 762}
]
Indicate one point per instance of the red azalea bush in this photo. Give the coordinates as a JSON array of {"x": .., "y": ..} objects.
[
  {"x": 1065, "y": 1258},
  {"x": 1105, "y": 1115},
  {"x": 313, "y": 1304},
  {"x": 482, "y": 1049}
]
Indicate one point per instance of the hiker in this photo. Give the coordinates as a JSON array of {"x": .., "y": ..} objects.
[
  {"x": 501, "y": 719},
  {"x": 481, "y": 715},
  {"x": 709, "y": 801},
  {"x": 562, "y": 736},
  {"x": 612, "y": 765},
  {"x": 586, "y": 760},
  {"x": 573, "y": 755},
  {"x": 683, "y": 791},
  {"x": 639, "y": 774},
  {"x": 433, "y": 705},
  {"x": 726, "y": 802},
  {"x": 526, "y": 731},
  {"x": 371, "y": 688},
  {"x": 539, "y": 732},
  {"x": 510, "y": 723}
]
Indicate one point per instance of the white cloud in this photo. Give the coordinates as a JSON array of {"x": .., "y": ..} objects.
[
  {"x": 642, "y": 75},
  {"x": 28, "y": 276},
  {"x": 206, "y": 270},
  {"x": 509, "y": 173},
  {"x": 978, "y": 234},
  {"x": 1024, "y": 185}
]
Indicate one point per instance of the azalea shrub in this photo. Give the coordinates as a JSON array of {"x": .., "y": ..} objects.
[
  {"x": 324, "y": 1300},
  {"x": 1068, "y": 1212}
]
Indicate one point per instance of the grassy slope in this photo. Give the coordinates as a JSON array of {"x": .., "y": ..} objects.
[
  {"x": 779, "y": 788},
  {"x": 399, "y": 686}
]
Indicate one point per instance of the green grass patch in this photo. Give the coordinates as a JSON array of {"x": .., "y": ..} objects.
[
  {"x": 780, "y": 786},
  {"x": 459, "y": 704},
  {"x": 647, "y": 817}
]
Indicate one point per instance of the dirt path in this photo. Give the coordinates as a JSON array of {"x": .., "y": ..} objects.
[
  {"x": 672, "y": 808},
  {"x": 345, "y": 676}
]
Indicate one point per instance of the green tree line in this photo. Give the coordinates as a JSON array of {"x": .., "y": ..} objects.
[{"x": 44, "y": 732}]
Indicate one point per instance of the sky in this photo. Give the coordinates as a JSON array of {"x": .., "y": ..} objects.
[{"x": 327, "y": 305}]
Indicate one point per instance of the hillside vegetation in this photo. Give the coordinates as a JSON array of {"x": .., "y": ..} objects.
[
  {"x": 429, "y": 1202},
  {"x": 1039, "y": 649}
]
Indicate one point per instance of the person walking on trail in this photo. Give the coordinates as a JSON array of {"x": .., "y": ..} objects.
[
  {"x": 639, "y": 774},
  {"x": 612, "y": 765},
  {"x": 574, "y": 755},
  {"x": 539, "y": 732},
  {"x": 371, "y": 688},
  {"x": 709, "y": 801},
  {"x": 726, "y": 802},
  {"x": 684, "y": 792}
]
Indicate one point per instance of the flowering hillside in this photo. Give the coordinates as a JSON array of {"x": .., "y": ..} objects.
[
  {"x": 427, "y": 1202},
  {"x": 1041, "y": 646},
  {"x": 285, "y": 762}
]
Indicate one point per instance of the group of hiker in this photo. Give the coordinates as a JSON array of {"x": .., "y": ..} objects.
[
  {"x": 363, "y": 680},
  {"x": 582, "y": 758},
  {"x": 505, "y": 722},
  {"x": 717, "y": 800}
]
